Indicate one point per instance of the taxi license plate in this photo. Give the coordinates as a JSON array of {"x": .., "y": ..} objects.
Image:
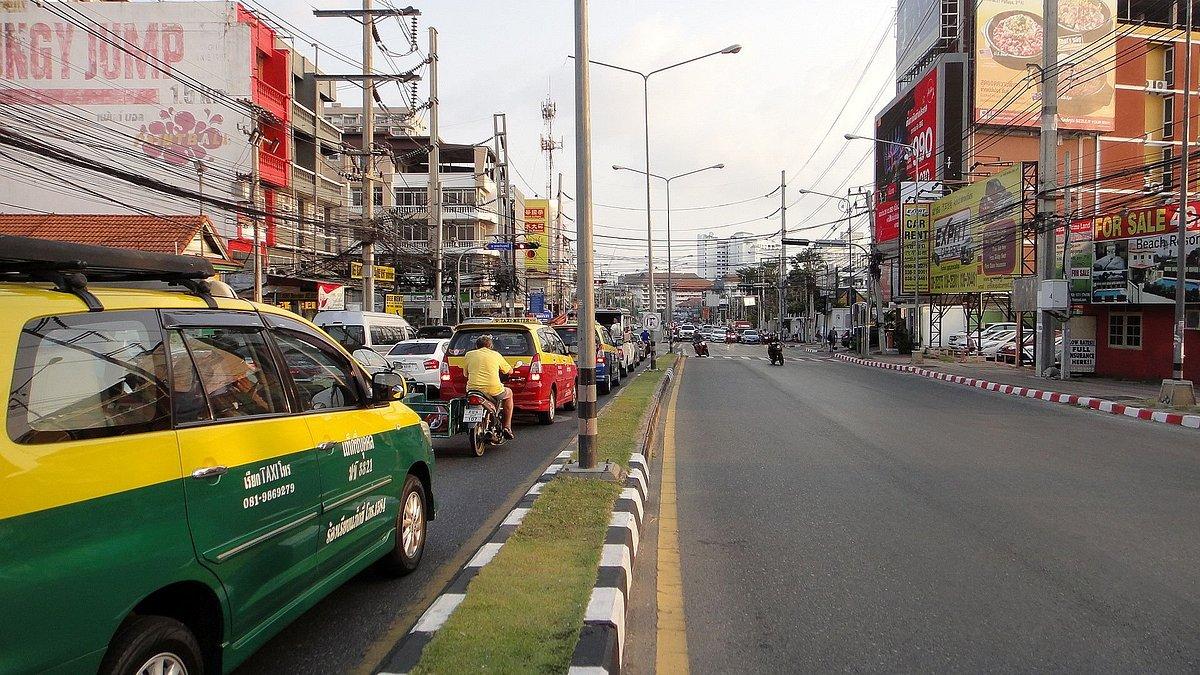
[{"x": 473, "y": 414}]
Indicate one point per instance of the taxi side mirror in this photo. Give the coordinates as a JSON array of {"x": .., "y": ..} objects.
[{"x": 387, "y": 387}]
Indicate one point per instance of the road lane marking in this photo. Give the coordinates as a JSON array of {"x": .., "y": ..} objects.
[{"x": 671, "y": 655}]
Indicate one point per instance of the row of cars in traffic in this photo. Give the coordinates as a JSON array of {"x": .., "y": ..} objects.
[
  {"x": 739, "y": 332},
  {"x": 999, "y": 342}
]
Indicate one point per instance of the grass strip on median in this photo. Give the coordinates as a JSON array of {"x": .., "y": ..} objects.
[{"x": 524, "y": 609}]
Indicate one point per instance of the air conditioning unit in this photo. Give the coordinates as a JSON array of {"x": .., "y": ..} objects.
[{"x": 1157, "y": 86}]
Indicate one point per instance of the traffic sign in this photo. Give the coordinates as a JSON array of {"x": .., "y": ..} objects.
[
  {"x": 499, "y": 246},
  {"x": 651, "y": 321}
]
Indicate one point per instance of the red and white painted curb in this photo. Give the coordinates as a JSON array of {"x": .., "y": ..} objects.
[{"x": 1191, "y": 421}]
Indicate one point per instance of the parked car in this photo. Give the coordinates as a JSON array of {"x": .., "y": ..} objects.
[
  {"x": 988, "y": 347},
  {"x": 750, "y": 337},
  {"x": 970, "y": 341},
  {"x": 194, "y": 471},
  {"x": 373, "y": 330},
  {"x": 420, "y": 360},
  {"x": 544, "y": 374}
]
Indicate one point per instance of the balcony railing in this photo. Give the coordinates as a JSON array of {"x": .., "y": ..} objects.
[
  {"x": 272, "y": 169},
  {"x": 272, "y": 99}
]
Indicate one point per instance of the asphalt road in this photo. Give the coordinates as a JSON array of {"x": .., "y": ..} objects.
[
  {"x": 353, "y": 628},
  {"x": 836, "y": 517}
]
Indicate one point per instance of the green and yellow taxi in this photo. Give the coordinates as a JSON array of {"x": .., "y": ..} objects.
[{"x": 183, "y": 474}]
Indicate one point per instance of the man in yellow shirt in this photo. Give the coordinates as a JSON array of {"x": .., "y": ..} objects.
[{"x": 484, "y": 366}]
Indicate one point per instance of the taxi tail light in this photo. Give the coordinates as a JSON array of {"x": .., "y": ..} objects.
[
  {"x": 535, "y": 368},
  {"x": 445, "y": 371},
  {"x": 474, "y": 399},
  {"x": 599, "y": 356},
  {"x": 432, "y": 364}
]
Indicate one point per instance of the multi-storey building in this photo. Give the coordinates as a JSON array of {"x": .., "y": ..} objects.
[
  {"x": 968, "y": 110},
  {"x": 471, "y": 215},
  {"x": 208, "y": 86},
  {"x": 717, "y": 257}
]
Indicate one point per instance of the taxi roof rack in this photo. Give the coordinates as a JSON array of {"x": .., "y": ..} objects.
[{"x": 71, "y": 266}]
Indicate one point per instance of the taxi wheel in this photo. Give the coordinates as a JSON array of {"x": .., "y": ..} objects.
[
  {"x": 410, "y": 529},
  {"x": 604, "y": 386},
  {"x": 548, "y": 416},
  {"x": 153, "y": 644}
]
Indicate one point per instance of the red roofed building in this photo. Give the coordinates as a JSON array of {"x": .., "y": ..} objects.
[{"x": 187, "y": 235}]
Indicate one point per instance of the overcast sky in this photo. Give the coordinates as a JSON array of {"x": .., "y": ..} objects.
[{"x": 758, "y": 112}]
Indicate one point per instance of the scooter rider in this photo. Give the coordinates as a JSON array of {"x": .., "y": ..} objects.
[{"x": 484, "y": 366}]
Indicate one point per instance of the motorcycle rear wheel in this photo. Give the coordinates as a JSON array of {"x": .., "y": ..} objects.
[{"x": 475, "y": 440}]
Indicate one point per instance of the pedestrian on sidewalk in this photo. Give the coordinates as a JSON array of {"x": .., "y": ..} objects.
[{"x": 832, "y": 339}]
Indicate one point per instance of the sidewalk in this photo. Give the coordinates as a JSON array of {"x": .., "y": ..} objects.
[
  {"x": 1118, "y": 397},
  {"x": 1120, "y": 391}
]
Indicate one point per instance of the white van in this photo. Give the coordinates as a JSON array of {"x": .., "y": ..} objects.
[{"x": 374, "y": 330}]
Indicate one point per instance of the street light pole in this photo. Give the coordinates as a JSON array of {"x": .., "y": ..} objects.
[
  {"x": 583, "y": 234},
  {"x": 670, "y": 272},
  {"x": 732, "y": 49}
]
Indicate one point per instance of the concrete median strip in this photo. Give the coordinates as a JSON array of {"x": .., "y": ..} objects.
[
  {"x": 408, "y": 652},
  {"x": 600, "y": 645},
  {"x": 1112, "y": 407}
]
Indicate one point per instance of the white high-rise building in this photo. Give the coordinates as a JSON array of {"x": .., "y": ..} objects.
[{"x": 717, "y": 257}]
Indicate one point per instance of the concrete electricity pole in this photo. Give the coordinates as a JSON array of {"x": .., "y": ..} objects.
[
  {"x": 583, "y": 234},
  {"x": 435, "y": 183},
  {"x": 1184, "y": 216},
  {"x": 782, "y": 246},
  {"x": 1047, "y": 177},
  {"x": 367, "y": 16},
  {"x": 256, "y": 143},
  {"x": 368, "y": 147}
]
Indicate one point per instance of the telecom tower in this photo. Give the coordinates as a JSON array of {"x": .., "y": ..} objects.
[{"x": 554, "y": 255}]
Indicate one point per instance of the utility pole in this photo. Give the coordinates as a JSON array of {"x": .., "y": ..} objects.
[
  {"x": 368, "y": 77},
  {"x": 782, "y": 246},
  {"x": 368, "y": 147},
  {"x": 503, "y": 200},
  {"x": 1180, "y": 390},
  {"x": 583, "y": 233},
  {"x": 1047, "y": 177},
  {"x": 435, "y": 182},
  {"x": 559, "y": 268},
  {"x": 316, "y": 200},
  {"x": 1064, "y": 365},
  {"x": 256, "y": 145}
]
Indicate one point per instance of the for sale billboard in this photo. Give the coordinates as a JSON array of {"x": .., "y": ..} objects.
[
  {"x": 1134, "y": 255},
  {"x": 536, "y": 219},
  {"x": 1008, "y": 37},
  {"x": 977, "y": 240},
  {"x": 920, "y": 131}
]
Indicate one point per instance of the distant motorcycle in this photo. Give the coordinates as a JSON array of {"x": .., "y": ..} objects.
[
  {"x": 775, "y": 352},
  {"x": 701, "y": 348}
]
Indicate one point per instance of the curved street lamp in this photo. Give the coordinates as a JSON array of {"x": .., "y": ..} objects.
[
  {"x": 670, "y": 273},
  {"x": 731, "y": 49}
]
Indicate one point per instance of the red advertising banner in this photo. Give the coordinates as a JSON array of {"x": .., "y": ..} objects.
[
  {"x": 921, "y": 122},
  {"x": 887, "y": 221}
]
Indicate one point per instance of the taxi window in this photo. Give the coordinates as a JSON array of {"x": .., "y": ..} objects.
[
  {"x": 89, "y": 376},
  {"x": 507, "y": 341},
  {"x": 568, "y": 334},
  {"x": 322, "y": 376},
  {"x": 236, "y": 370}
]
